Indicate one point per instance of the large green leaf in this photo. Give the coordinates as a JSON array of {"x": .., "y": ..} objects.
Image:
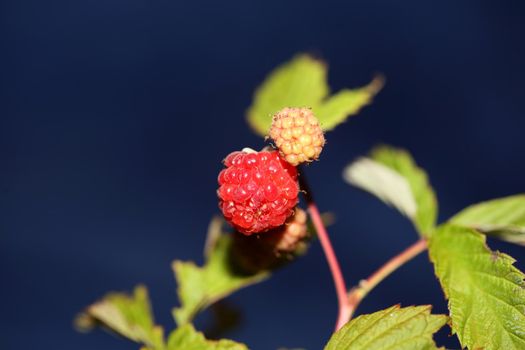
[
  {"x": 129, "y": 316},
  {"x": 409, "y": 328},
  {"x": 503, "y": 218},
  {"x": 392, "y": 175},
  {"x": 485, "y": 292},
  {"x": 199, "y": 287},
  {"x": 187, "y": 338},
  {"x": 302, "y": 82}
]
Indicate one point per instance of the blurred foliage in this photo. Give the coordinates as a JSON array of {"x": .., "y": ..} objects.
[
  {"x": 186, "y": 338},
  {"x": 130, "y": 316},
  {"x": 392, "y": 175},
  {"x": 127, "y": 315},
  {"x": 302, "y": 82},
  {"x": 503, "y": 218},
  {"x": 199, "y": 287}
]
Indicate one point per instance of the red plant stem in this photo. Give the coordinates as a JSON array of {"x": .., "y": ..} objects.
[
  {"x": 365, "y": 286},
  {"x": 339, "y": 282},
  {"x": 340, "y": 286},
  {"x": 349, "y": 303}
]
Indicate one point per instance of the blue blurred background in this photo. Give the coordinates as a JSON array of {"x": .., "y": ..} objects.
[{"x": 115, "y": 116}]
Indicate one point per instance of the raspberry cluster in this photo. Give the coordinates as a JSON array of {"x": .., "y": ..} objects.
[
  {"x": 287, "y": 238},
  {"x": 258, "y": 190},
  {"x": 273, "y": 248},
  {"x": 297, "y": 134}
]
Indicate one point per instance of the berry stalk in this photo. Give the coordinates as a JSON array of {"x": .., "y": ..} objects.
[
  {"x": 345, "y": 310},
  {"x": 359, "y": 292}
]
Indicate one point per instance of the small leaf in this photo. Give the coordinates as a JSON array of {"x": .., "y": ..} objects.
[
  {"x": 129, "y": 316},
  {"x": 302, "y": 82},
  {"x": 337, "y": 108},
  {"x": 385, "y": 183},
  {"x": 187, "y": 338},
  {"x": 502, "y": 218},
  {"x": 392, "y": 175},
  {"x": 298, "y": 83},
  {"x": 393, "y": 328},
  {"x": 199, "y": 287},
  {"x": 485, "y": 292}
]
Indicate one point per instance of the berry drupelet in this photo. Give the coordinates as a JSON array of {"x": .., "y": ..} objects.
[
  {"x": 258, "y": 190},
  {"x": 297, "y": 134}
]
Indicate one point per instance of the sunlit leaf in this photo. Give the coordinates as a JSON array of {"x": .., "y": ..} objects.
[
  {"x": 298, "y": 83},
  {"x": 127, "y": 315},
  {"x": 392, "y": 175},
  {"x": 199, "y": 287},
  {"x": 345, "y": 103},
  {"x": 187, "y": 338},
  {"x": 409, "y": 328},
  {"x": 302, "y": 82},
  {"x": 383, "y": 182},
  {"x": 502, "y": 218},
  {"x": 485, "y": 292}
]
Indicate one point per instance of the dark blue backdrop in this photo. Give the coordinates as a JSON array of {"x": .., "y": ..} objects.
[{"x": 115, "y": 116}]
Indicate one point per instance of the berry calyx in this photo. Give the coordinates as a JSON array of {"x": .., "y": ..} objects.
[
  {"x": 257, "y": 190},
  {"x": 297, "y": 134}
]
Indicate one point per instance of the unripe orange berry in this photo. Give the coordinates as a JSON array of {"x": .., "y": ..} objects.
[{"x": 297, "y": 134}]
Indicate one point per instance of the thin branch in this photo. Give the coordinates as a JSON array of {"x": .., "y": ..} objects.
[
  {"x": 339, "y": 282},
  {"x": 365, "y": 286}
]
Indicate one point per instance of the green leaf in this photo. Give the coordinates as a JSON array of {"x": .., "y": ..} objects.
[
  {"x": 392, "y": 175},
  {"x": 129, "y": 316},
  {"x": 337, "y": 108},
  {"x": 408, "y": 328},
  {"x": 503, "y": 218},
  {"x": 187, "y": 338},
  {"x": 485, "y": 292},
  {"x": 298, "y": 83},
  {"x": 302, "y": 82},
  {"x": 199, "y": 287}
]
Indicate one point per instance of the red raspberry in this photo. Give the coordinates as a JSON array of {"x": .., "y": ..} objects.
[{"x": 258, "y": 190}]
